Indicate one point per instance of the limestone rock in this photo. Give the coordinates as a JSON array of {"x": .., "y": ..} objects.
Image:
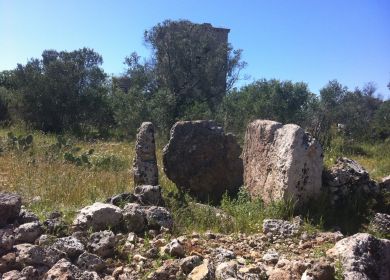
[
  {"x": 26, "y": 216},
  {"x": 102, "y": 243},
  {"x": 149, "y": 195},
  {"x": 10, "y": 205},
  {"x": 281, "y": 162},
  {"x": 12, "y": 275},
  {"x": 158, "y": 217},
  {"x": 187, "y": 264},
  {"x": 226, "y": 270},
  {"x": 98, "y": 216},
  {"x": 7, "y": 240},
  {"x": 27, "y": 254},
  {"x": 205, "y": 271},
  {"x": 92, "y": 262},
  {"x": 134, "y": 218},
  {"x": 121, "y": 199},
  {"x": 64, "y": 269},
  {"x": 363, "y": 257},
  {"x": 28, "y": 233},
  {"x": 175, "y": 249},
  {"x": 69, "y": 245},
  {"x": 145, "y": 162},
  {"x": 381, "y": 223},
  {"x": 202, "y": 159},
  {"x": 348, "y": 177},
  {"x": 8, "y": 262},
  {"x": 280, "y": 227},
  {"x": 319, "y": 271}
]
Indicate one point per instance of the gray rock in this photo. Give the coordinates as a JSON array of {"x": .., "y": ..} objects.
[
  {"x": 158, "y": 217},
  {"x": 271, "y": 257},
  {"x": 174, "y": 249},
  {"x": 121, "y": 199},
  {"x": 12, "y": 275},
  {"x": 281, "y": 162},
  {"x": 363, "y": 257},
  {"x": 346, "y": 178},
  {"x": 102, "y": 243},
  {"x": 205, "y": 271},
  {"x": 26, "y": 216},
  {"x": 319, "y": 271},
  {"x": 134, "y": 218},
  {"x": 220, "y": 255},
  {"x": 226, "y": 270},
  {"x": 98, "y": 216},
  {"x": 145, "y": 162},
  {"x": 381, "y": 223},
  {"x": 7, "y": 240},
  {"x": 8, "y": 262},
  {"x": 187, "y": 264},
  {"x": 202, "y": 159},
  {"x": 10, "y": 205},
  {"x": 69, "y": 245},
  {"x": 63, "y": 269},
  {"x": 29, "y": 272},
  {"x": 149, "y": 195},
  {"x": 28, "y": 254},
  {"x": 92, "y": 262},
  {"x": 280, "y": 227},
  {"x": 28, "y": 233}
]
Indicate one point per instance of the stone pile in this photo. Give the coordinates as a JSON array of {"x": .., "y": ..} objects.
[
  {"x": 347, "y": 178},
  {"x": 202, "y": 159},
  {"x": 281, "y": 162}
]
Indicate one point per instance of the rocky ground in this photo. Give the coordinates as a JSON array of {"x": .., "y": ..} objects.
[{"x": 134, "y": 241}]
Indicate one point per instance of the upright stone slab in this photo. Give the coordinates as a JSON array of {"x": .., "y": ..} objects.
[
  {"x": 145, "y": 163},
  {"x": 281, "y": 162},
  {"x": 202, "y": 159}
]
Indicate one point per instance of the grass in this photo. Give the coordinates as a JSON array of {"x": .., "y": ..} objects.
[{"x": 48, "y": 182}]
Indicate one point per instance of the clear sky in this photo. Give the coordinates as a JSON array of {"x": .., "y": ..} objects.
[{"x": 299, "y": 40}]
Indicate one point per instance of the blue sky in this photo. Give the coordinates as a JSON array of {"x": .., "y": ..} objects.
[{"x": 300, "y": 40}]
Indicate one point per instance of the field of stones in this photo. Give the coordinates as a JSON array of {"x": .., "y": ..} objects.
[{"x": 202, "y": 206}]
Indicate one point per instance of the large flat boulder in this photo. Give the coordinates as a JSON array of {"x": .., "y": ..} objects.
[
  {"x": 281, "y": 162},
  {"x": 201, "y": 159}
]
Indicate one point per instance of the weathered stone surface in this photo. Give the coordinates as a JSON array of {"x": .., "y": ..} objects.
[
  {"x": 271, "y": 257},
  {"x": 26, "y": 216},
  {"x": 381, "y": 223},
  {"x": 98, "y": 216},
  {"x": 69, "y": 245},
  {"x": 202, "y": 159},
  {"x": 145, "y": 163},
  {"x": 92, "y": 262},
  {"x": 8, "y": 262},
  {"x": 187, "y": 264},
  {"x": 149, "y": 195},
  {"x": 167, "y": 271},
  {"x": 174, "y": 248},
  {"x": 319, "y": 271},
  {"x": 10, "y": 205},
  {"x": 158, "y": 217},
  {"x": 281, "y": 162},
  {"x": 28, "y": 232},
  {"x": 205, "y": 271},
  {"x": 27, "y": 254},
  {"x": 134, "y": 218},
  {"x": 64, "y": 269},
  {"x": 102, "y": 243},
  {"x": 226, "y": 270},
  {"x": 347, "y": 177},
  {"x": 280, "y": 227},
  {"x": 121, "y": 199},
  {"x": 12, "y": 275},
  {"x": 7, "y": 240},
  {"x": 363, "y": 257}
]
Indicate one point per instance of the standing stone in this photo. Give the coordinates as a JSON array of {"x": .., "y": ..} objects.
[
  {"x": 145, "y": 163},
  {"x": 281, "y": 162},
  {"x": 202, "y": 159}
]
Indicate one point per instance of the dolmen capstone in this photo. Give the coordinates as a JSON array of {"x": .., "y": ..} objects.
[
  {"x": 201, "y": 159},
  {"x": 145, "y": 163},
  {"x": 281, "y": 162}
]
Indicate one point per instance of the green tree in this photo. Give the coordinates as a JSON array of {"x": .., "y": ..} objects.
[
  {"x": 64, "y": 90},
  {"x": 193, "y": 63}
]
